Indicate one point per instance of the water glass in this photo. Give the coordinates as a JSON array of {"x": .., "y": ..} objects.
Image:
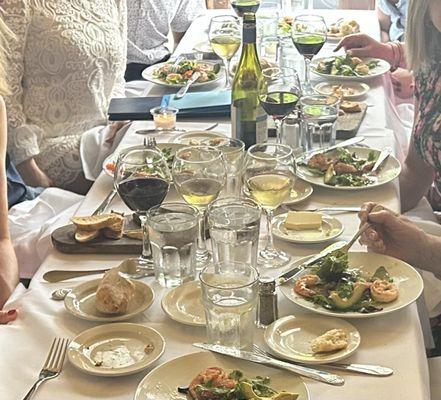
[
  {"x": 234, "y": 225},
  {"x": 173, "y": 232},
  {"x": 229, "y": 297},
  {"x": 319, "y": 120}
]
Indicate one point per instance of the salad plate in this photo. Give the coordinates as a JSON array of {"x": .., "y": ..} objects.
[
  {"x": 331, "y": 228},
  {"x": 183, "y": 304},
  {"x": 115, "y": 349},
  {"x": 197, "y": 138},
  {"x": 347, "y": 169},
  {"x": 346, "y": 68},
  {"x": 162, "y": 382},
  {"x": 290, "y": 338},
  {"x": 365, "y": 267},
  {"x": 300, "y": 191},
  {"x": 161, "y": 74},
  {"x": 345, "y": 90},
  {"x": 80, "y": 302}
]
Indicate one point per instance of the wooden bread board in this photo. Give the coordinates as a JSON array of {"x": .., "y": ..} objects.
[
  {"x": 64, "y": 241},
  {"x": 349, "y": 123}
]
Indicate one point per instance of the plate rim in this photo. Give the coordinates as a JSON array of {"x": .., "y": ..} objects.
[
  {"x": 352, "y": 314},
  {"x": 310, "y": 192},
  {"x": 118, "y": 374},
  {"x": 272, "y": 328},
  {"x": 282, "y": 237},
  {"x": 117, "y": 318}
]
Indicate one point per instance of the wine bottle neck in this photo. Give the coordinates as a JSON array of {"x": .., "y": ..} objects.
[{"x": 249, "y": 33}]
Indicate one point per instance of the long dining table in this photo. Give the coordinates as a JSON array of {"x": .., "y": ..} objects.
[{"x": 394, "y": 340}]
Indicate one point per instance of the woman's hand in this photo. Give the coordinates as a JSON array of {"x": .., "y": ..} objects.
[
  {"x": 33, "y": 175},
  {"x": 362, "y": 45},
  {"x": 7, "y": 316},
  {"x": 393, "y": 235},
  {"x": 403, "y": 83}
]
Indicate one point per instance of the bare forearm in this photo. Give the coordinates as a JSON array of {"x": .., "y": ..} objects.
[
  {"x": 411, "y": 189},
  {"x": 8, "y": 270},
  {"x": 431, "y": 255}
]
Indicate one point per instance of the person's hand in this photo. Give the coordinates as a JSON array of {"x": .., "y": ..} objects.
[
  {"x": 7, "y": 316},
  {"x": 392, "y": 234},
  {"x": 403, "y": 83},
  {"x": 114, "y": 127},
  {"x": 33, "y": 175},
  {"x": 362, "y": 45}
]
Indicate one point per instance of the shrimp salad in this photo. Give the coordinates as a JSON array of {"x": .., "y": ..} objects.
[
  {"x": 346, "y": 66},
  {"x": 216, "y": 384},
  {"x": 184, "y": 71},
  {"x": 343, "y": 168},
  {"x": 334, "y": 286}
]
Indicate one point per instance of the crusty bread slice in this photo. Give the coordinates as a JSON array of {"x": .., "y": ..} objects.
[
  {"x": 96, "y": 222},
  {"x": 83, "y": 236},
  {"x": 350, "y": 107},
  {"x": 112, "y": 234}
]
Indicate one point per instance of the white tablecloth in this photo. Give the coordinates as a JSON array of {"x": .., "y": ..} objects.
[{"x": 394, "y": 340}]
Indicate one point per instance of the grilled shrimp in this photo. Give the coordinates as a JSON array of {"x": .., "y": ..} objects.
[
  {"x": 319, "y": 161},
  {"x": 383, "y": 291},
  {"x": 216, "y": 377},
  {"x": 303, "y": 285},
  {"x": 342, "y": 168}
]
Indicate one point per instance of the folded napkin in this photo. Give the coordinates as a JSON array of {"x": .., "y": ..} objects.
[{"x": 201, "y": 101}]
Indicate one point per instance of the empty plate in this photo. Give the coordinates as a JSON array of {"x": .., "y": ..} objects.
[
  {"x": 351, "y": 90},
  {"x": 115, "y": 349}
]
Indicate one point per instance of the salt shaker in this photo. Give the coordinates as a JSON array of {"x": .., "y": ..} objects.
[{"x": 267, "y": 311}]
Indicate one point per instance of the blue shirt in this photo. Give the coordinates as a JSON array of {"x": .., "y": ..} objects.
[{"x": 398, "y": 16}]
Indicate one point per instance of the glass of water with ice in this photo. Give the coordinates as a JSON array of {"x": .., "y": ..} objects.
[
  {"x": 234, "y": 225},
  {"x": 229, "y": 296},
  {"x": 173, "y": 230}
]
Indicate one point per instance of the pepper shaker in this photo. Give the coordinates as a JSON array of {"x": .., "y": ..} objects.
[{"x": 267, "y": 310}]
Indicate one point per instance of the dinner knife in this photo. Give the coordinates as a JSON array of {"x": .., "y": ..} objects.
[
  {"x": 345, "y": 143},
  {"x": 184, "y": 89},
  {"x": 384, "y": 155},
  {"x": 103, "y": 206},
  {"x": 321, "y": 376}
]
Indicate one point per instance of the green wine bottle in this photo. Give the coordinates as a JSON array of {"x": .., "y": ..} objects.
[{"x": 248, "y": 119}]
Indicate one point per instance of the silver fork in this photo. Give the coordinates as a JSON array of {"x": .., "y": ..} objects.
[{"x": 52, "y": 366}]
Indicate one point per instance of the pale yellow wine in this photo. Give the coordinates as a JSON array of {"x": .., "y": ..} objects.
[
  {"x": 225, "y": 46},
  {"x": 200, "y": 192},
  {"x": 270, "y": 190}
]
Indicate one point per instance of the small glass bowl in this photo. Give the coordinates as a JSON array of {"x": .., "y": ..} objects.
[{"x": 164, "y": 118}]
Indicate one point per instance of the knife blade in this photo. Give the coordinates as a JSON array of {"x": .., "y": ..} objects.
[
  {"x": 183, "y": 90},
  {"x": 321, "y": 376},
  {"x": 384, "y": 155},
  {"x": 345, "y": 143}
]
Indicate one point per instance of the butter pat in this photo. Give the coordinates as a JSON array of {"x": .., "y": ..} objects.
[{"x": 303, "y": 220}]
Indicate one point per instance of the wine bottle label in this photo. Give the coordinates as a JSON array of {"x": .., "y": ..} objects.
[
  {"x": 261, "y": 127},
  {"x": 250, "y": 129}
]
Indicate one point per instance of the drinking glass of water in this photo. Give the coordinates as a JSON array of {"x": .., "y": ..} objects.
[
  {"x": 234, "y": 225},
  {"x": 229, "y": 296},
  {"x": 173, "y": 231}
]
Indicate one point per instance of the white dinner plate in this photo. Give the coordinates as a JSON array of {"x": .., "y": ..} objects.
[
  {"x": 330, "y": 229},
  {"x": 390, "y": 171},
  {"x": 148, "y": 74},
  {"x": 299, "y": 192},
  {"x": 81, "y": 302},
  {"x": 162, "y": 382},
  {"x": 359, "y": 88},
  {"x": 290, "y": 338},
  {"x": 196, "y": 138},
  {"x": 115, "y": 349},
  {"x": 184, "y": 304},
  {"x": 382, "y": 68},
  {"x": 408, "y": 281}
]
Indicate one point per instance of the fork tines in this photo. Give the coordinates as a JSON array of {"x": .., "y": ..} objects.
[{"x": 57, "y": 352}]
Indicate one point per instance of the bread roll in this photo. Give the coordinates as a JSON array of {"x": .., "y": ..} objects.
[
  {"x": 96, "y": 222},
  {"x": 114, "y": 293}
]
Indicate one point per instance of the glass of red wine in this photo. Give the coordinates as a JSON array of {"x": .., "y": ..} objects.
[
  {"x": 308, "y": 33},
  {"x": 241, "y": 7},
  {"x": 279, "y": 92},
  {"x": 142, "y": 179}
]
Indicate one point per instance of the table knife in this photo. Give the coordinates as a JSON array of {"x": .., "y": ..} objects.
[
  {"x": 185, "y": 88},
  {"x": 103, "y": 206},
  {"x": 367, "y": 369},
  {"x": 345, "y": 143},
  {"x": 382, "y": 158},
  {"x": 321, "y": 376}
]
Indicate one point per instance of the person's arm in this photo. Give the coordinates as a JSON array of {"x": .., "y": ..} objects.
[
  {"x": 23, "y": 138},
  {"x": 385, "y": 24},
  {"x": 177, "y": 36},
  {"x": 8, "y": 261},
  {"x": 187, "y": 11}
]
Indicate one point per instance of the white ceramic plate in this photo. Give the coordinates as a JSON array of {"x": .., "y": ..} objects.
[
  {"x": 196, "y": 138},
  {"x": 203, "y": 47},
  {"x": 382, "y": 68},
  {"x": 390, "y": 170},
  {"x": 300, "y": 192},
  {"x": 162, "y": 382},
  {"x": 290, "y": 338},
  {"x": 184, "y": 304},
  {"x": 330, "y": 229},
  {"x": 148, "y": 74},
  {"x": 359, "y": 88},
  {"x": 81, "y": 302},
  {"x": 115, "y": 349},
  {"x": 409, "y": 282}
]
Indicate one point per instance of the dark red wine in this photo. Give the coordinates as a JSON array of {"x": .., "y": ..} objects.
[
  {"x": 279, "y": 104},
  {"x": 309, "y": 45},
  {"x": 242, "y": 6},
  {"x": 141, "y": 194}
]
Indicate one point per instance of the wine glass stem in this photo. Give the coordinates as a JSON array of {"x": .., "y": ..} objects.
[
  {"x": 269, "y": 237},
  {"x": 278, "y": 124},
  {"x": 227, "y": 72},
  {"x": 307, "y": 84},
  {"x": 146, "y": 254},
  {"x": 202, "y": 248}
]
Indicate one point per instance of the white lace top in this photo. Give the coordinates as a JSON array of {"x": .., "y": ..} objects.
[{"x": 66, "y": 64}]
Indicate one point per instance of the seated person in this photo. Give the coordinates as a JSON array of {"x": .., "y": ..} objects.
[{"x": 149, "y": 23}]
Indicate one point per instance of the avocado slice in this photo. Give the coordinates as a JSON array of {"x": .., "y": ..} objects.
[
  {"x": 345, "y": 303},
  {"x": 329, "y": 176},
  {"x": 248, "y": 392}
]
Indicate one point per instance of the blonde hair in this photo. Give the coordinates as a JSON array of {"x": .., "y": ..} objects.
[
  {"x": 422, "y": 38},
  {"x": 5, "y": 34}
]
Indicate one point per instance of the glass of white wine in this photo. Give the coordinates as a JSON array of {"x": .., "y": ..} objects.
[
  {"x": 268, "y": 178},
  {"x": 199, "y": 175},
  {"x": 225, "y": 38}
]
